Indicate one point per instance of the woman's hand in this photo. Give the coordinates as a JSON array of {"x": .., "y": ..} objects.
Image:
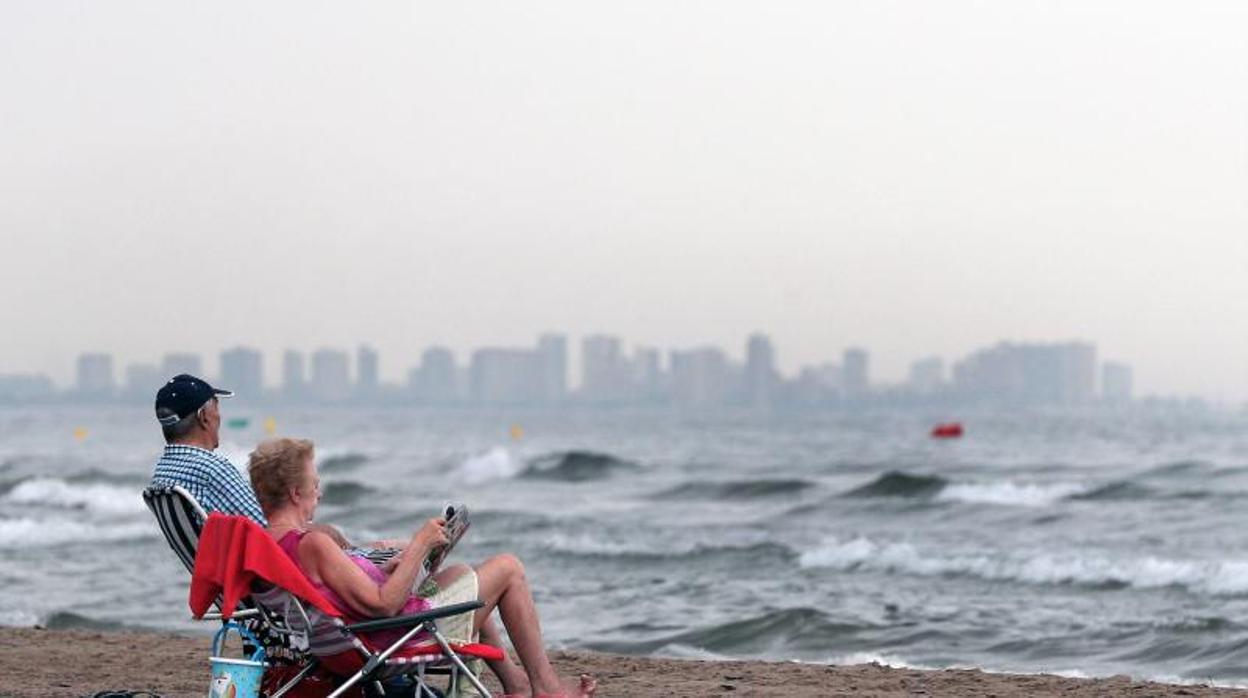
[
  {"x": 389, "y": 566},
  {"x": 431, "y": 535}
]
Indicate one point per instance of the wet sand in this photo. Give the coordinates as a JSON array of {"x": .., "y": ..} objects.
[{"x": 37, "y": 662}]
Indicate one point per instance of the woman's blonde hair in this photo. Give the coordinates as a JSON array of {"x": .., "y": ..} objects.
[{"x": 276, "y": 467}]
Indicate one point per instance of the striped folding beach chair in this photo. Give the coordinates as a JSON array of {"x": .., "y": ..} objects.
[{"x": 181, "y": 520}]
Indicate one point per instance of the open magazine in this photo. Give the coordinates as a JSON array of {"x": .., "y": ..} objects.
[{"x": 456, "y": 515}]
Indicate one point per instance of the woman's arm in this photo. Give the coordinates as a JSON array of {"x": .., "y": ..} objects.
[{"x": 322, "y": 557}]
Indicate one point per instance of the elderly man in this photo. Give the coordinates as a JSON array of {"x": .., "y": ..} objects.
[{"x": 190, "y": 418}]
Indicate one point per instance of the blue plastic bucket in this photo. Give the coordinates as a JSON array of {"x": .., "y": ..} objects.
[{"x": 235, "y": 678}]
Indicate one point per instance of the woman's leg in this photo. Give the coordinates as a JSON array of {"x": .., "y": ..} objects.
[
  {"x": 502, "y": 584},
  {"x": 511, "y": 676}
]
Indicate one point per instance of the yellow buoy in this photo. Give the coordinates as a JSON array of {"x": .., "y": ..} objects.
[
  {"x": 517, "y": 432},
  {"x": 270, "y": 426},
  {"x": 80, "y": 433}
]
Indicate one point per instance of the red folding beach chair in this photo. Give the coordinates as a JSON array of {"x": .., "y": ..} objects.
[{"x": 237, "y": 559}]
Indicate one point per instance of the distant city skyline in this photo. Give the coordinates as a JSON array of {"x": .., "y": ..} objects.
[{"x": 1055, "y": 373}]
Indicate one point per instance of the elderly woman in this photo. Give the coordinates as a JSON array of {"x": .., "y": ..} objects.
[{"x": 284, "y": 476}]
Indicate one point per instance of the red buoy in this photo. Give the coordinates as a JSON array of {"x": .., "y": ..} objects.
[{"x": 947, "y": 430}]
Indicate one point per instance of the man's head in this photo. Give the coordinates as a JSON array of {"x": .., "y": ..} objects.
[{"x": 186, "y": 408}]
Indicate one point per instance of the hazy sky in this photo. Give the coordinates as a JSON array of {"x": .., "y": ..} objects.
[{"x": 917, "y": 178}]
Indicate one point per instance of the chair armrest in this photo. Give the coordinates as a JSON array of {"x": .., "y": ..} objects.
[
  {"x": 241, "y": 613},
  {"x": 414, "y": 619}
]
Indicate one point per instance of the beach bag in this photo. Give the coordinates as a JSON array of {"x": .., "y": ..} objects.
[{"x": 235, "y": 678}]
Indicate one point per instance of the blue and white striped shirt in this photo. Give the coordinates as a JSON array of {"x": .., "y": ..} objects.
[{"x": 211, "y": 479}]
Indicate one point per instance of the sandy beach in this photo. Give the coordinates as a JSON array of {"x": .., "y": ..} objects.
[{"x": 37, "y": 662}]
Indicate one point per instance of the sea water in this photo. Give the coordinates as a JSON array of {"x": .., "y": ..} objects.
[{"x": 1086, "y": 543}]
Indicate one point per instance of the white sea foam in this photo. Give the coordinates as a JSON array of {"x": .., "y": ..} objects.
[
  {"x": 495, "y": 464},
  {"x": 888, "y": 660},
  {"x": 682, "y": 651},
  {"x": 97, "y": 497},
  {"x": 583, "y": 542},
  {"x": 38, "y": 533},
  {"x": 18, "y": 619},
  {"x": 892, "y": 661},
  {"x": 1010, "y": 493},
  {"x": 586, "y": 543},
  {"x": 1215, "y": 578}
]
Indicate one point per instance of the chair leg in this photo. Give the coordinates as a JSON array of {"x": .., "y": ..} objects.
[
  {"x": 293, "y": 682},
  {"x": 377, "y": 660},
  {"x": 459, "y": 663}
]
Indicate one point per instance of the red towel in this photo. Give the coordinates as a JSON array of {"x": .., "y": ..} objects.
[{"x": 233, "y": 552}]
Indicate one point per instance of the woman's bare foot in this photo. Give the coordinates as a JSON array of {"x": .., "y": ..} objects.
[{"x": 585, "y": 689}]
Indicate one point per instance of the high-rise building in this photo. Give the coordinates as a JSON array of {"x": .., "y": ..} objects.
[
  {"x": 604, "y": 372},
  {"x": 855, "y": 373},
  {"x": 1078, "y": 373},
  {"x": 27, "y": 387},
  {"x": 177, "y": 363},
  {"x": 294, "y": 377},
  {"x": 700, "y": 377},
  {"x": 142, "y": 381},
  {"x": 816, "y": 385},
  {"x": 95, "y": 376},
  {"x": 991, "y": 373},
  {"x": 1117, "y": 382},
  {"x": 505, "y": 376},
  {"x": 760, "y": 371},
  {"x": 242, "y": 370},
  {"x": 331, "y": 378},
  {"x": 367, "y": 371},
  {"x": 1034, "y": 374},
  {"x": 434, "y": 381},
  {"x": 552, "y": 352},
  {"x": 648, "y": 376},
  {"x": 927, "y": 375}
]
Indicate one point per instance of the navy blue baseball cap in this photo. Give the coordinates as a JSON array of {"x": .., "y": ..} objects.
[{"x": 182, "y": 395}]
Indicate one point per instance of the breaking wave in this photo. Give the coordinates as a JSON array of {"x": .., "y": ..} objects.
[
  {"x": 576, "y": 466},
  {"x": 94, "y": 475},
  {"x": 1210, "y": 578},
  {"x": 1122, "y": 490},
  {"x": 783, "y": 629},
  {"x": 586, "y": 545},
  {"x": 341, "y": 462},
  {"x": 97, "y": 497},
  {"x": 737, "y": 489},
  {"x": 40, "y": 533},
  {"x": 1009, "y": 493},
  {"x": 495, "y": 464},
  {"x": 899, "y": 484},
  {"x": 345, "y": 492}
]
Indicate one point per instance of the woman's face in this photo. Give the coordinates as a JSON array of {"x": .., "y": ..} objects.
[{"x": 309, "y": 490}]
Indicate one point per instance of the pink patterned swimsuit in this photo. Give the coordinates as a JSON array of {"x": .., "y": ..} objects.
[{"x": 289, "y": 544}]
